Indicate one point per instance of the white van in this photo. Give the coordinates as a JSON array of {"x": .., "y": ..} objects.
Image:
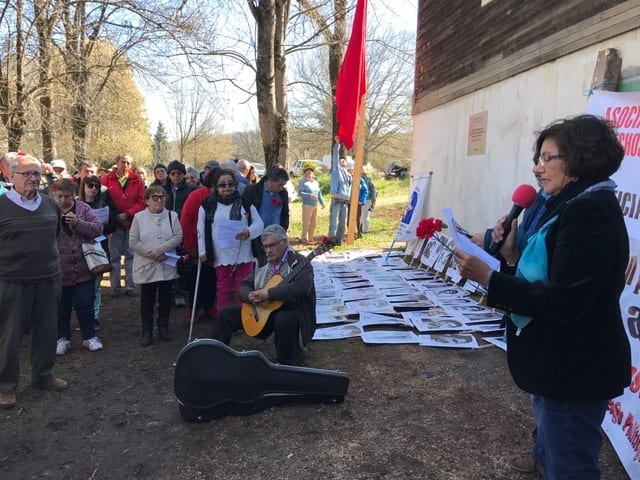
[{"x": 296, "y": 170}]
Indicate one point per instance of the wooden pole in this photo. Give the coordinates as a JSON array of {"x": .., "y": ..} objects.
[{"x": 357, "y": 174}]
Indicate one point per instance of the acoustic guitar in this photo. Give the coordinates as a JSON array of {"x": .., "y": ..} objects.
[{"x": 255, "y": 316}]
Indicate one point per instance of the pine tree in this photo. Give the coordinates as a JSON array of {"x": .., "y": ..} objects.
[{"x": 160, "y": 145}]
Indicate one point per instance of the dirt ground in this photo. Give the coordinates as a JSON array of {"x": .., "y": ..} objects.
[{"x": 411, "y": 412}]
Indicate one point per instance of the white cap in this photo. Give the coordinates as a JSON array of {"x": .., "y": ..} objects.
[{"x": 58, "y": 164}]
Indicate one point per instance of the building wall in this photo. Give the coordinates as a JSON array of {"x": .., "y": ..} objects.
[
  {"x": 463, "y": 46},
  {"x": 478, "y": 188}
]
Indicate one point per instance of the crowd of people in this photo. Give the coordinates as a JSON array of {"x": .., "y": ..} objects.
[
  {"x": 562, "y": 271},
  {"x": 165, "y": 232}
]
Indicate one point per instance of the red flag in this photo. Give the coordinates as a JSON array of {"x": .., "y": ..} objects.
[{"x": 352, "y": 78}]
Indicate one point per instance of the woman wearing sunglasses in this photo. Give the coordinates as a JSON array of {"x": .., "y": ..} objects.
[
  {"x": 100, "y": 202},
  {"x": 226, "y": 226},
  {"x": 154, "y": 232}
]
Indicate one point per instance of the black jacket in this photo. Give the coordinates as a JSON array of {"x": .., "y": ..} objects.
[
  {"x": 176, "y": 199},
  {"x": 254, "y": 193},
  {"x": 575, "y": 348},
  {"x": 299, "y": 293}
]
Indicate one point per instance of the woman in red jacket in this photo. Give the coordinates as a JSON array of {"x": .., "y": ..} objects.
[{"x": 189, "y": 222}]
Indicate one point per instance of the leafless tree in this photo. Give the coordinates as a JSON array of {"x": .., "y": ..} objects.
[
  {"x": 390, "y": 56},
  {"x": 13, "y": 97},
  {"x": 271, "y": 18},
  {"x": 332, "y": 28},
  {"x": 193, "y": 120},
  {"x": 46, "y": 15},
  {"x": 248, "y": 145}
]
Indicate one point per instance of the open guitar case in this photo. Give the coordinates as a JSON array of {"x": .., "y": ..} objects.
[{"x": 212, "y": 380}]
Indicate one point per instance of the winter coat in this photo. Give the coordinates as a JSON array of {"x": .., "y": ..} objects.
[
  {"x": 154, "y": 231},
  {"x": 72, "y": 263}
]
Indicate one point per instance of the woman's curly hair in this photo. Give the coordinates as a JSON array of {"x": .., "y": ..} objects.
[{"x": 589, "y": 145}]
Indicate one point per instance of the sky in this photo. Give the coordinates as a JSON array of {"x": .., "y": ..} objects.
[{"x": 243, "y": 116}]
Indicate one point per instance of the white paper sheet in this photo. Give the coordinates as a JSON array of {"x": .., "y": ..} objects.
[
  {"x": 102, "y": 214},
  {"x": 466, "y": 245},
  {"x": 449, "y": 340},
  {"x": 171, "y": 259},
  {"x": 227, "y": 231}
]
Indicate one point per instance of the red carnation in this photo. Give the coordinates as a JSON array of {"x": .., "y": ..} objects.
[{"x": 428, "y": 227}]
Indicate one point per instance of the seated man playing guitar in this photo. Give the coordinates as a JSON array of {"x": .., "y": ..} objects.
[{"x": 279, "y": 297}]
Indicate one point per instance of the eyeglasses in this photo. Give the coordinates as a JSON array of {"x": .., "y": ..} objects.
[
  {"x": 157, "y": 198},
  {"x": 268, "y": 246},
  {"x": 543, "y": 159},
  {"x": 226, "y": 185},
  {"x": 29, "y": 174},
  {"x": 93, "y": 185}
]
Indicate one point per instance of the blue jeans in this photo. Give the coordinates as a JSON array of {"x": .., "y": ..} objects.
[
  {"x": 118, "y": 246},
  {"x": 337, "y": 219},
  {"x": 568, "y": 439},
  {"x": 80, "y": 298}
]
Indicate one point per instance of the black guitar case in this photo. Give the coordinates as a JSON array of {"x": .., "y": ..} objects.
[{"x": 212, "y": 381}]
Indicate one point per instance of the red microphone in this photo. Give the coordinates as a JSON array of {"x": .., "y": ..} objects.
[{"x": 523, "y": 197}]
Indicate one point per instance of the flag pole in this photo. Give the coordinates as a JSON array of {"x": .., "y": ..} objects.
[{"x": 357, "y": 174}]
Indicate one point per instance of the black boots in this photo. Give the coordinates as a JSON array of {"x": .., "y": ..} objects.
[
  {"x": 147, "y": 338},
  {"x": 163, "y": 333},
  {"x": 163, "y": 330}
]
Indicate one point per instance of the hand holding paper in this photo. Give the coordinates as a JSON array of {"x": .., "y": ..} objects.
[
  {"x": 473, "y": 262},
  {"x": 472, "y": 267}
]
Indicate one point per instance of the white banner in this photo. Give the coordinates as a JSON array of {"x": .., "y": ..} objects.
[
  {"x": 413, "y": 214},
  {"x": 622, "y": 422}
]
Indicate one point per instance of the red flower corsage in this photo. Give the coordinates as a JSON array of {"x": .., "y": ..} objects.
[{"x": 428, "y": 227}]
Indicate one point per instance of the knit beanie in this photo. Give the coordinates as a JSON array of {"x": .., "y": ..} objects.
[{"x": 176, "y": 165}]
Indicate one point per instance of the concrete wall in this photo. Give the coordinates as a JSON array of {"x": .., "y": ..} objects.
[{"x": 478, "y": 188}]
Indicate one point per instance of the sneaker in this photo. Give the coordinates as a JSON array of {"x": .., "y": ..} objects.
[
  {"x": 180, "y": 302},
  {"x": 115, "y": 293},
  {"x": 131, "y": 292},
  {"x": 62, "y": 346},
  {"x": 523, "y": 462},
  {"x": 93, "y": 344},
  {"x": 55, "y": 384}
]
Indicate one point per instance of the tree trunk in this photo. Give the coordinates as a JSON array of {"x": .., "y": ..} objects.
[
  {"x": 271, "y": 18},
  {"x": 335, "y": 40},
  {"x": 44, "y": 22},
  {"x": 77, "y": 52},
  {"x": 280, "y": 63},
  {"x": 16, "y": 118}
]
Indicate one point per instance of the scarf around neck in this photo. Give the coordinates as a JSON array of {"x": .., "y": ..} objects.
[{"x": 236, "y": 205}]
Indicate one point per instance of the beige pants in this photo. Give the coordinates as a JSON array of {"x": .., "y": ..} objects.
[{"x": 308, "y": 222}]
